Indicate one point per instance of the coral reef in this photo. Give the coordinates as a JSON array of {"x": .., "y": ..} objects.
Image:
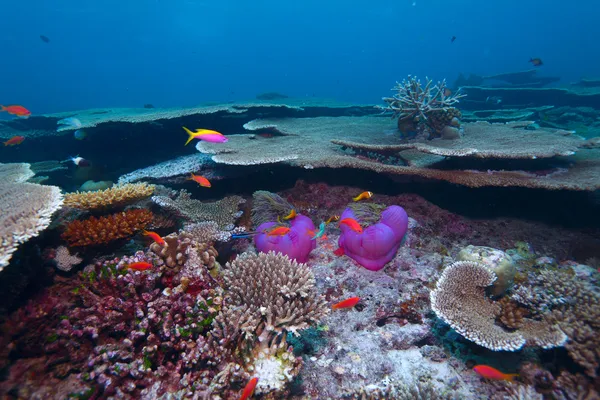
[
  {"x": 114, "y": 197},
  {"x": 296, "y": 244},
  {"x": 224, "y": 212},
  {"x": 400, "y": 391},
  {"x": 25, "y": 208},
  {"x": 267, "y": 207},
  {"x": 497, "y": 261},
  {"x": 179, "y": 247},
  {"x": 94, "y": 231},
  {"x": 177, "y": 167},
  {"x": 433, "y": 106},
  {"x": 65, "y": 261},
  {"x": 460, "y": 300}
]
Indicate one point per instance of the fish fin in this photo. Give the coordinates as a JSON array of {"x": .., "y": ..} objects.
[
  {"x": 511, "y": 377},
  {"x": 190, "y": 134}
]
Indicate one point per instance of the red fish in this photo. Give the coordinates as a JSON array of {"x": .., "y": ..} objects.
[
  {"x": 351, "y": 222},
  {"x": 140, "y": 266},
  {"x": 14, "y": 141},
  {"x": 19, "y": 111},
  {"x": 348, "y": 303},
  {"x": 249, "y": 389},
  {"x": 202, "y": 181},
  {"x": 155, "y": 236},
  {"x": 278, "y": 231},
  {"x": 339, "y": 252},
  {"x": 492, "y": 373}
]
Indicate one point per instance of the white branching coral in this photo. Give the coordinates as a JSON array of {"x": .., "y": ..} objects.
[
  {"x": 412, "y": 99},
  {"x": 460, "y": 300}
]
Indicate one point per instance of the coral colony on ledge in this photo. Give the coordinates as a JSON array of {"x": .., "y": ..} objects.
[{"x": 304, "y": 250}]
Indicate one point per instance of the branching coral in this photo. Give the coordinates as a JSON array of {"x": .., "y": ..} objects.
[
  {"x": 25, "y": 208},
  {"x": 224, "y": 212},
  {"x": 178, "y": 248},
  {"x": 116, "y": 196},
  {"x": 460, "y": 300},
  {"x": 416, "y": 105},
  {"x": 101, "y": 230},
  {"x": 65, "y": 261},
  {"x": 401, "y": 391}
]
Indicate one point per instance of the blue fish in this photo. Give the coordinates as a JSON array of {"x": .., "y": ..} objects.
[
  {"x": 243, "y": 235},
  {"x": 321, "y": 231}
]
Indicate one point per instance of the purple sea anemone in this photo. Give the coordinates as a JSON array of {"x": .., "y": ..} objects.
[
  {"x": 378, "y": 243},
  {"x": 296, "y": 244}
]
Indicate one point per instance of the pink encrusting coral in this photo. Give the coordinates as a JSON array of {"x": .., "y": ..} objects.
[
  {"x": 296, "y": 244},
  {"x": 377, "y": 244}
]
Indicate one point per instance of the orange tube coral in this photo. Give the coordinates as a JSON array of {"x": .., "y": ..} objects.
[{"x": 106, "y": 229}]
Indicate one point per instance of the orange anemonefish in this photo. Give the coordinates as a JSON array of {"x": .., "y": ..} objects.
[
  {"x": 291, "y": 215},
  {"x": 363, "y": 196}
]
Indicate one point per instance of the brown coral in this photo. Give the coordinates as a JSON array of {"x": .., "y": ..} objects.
[
  {"x": 267, "y": 296},
  {"x": 178, "y": 247},
  {"x": 511, "y": 315},
  {"x": 101, "y": 230},
  {"x": 116, "y": 196},
  {"x": 460, "y": 300}
]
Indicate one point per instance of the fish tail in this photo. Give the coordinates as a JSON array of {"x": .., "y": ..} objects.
[
  {"x": 191, "y": 135},
  {"x": 511, "y": 377},
  {"x": 2, "y": 108}
]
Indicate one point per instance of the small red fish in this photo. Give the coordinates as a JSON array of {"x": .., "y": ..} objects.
[
  {"x": 202, "y": 181},
  {"x": 249, "y": 388},
  {"x": 351, "y": 222},
  {"x": 140, "y": 266},
  {"x": 278, "y": 231},
  {"x": 13, "y": 141},
  {"x": 348, "y": 303},
  {"x": 492, "y": 373},
  {"x": 19, "y": 111},
  {"x": 339, "y": 252},
  {"x": 155, "y": 236},
  {"x": 536, "y": 62}
]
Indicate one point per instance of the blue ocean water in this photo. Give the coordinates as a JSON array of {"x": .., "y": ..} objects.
[{"x": 181, "y": 53}]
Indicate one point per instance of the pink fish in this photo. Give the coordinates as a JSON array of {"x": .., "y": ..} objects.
[{"x": 205, "y": 134}]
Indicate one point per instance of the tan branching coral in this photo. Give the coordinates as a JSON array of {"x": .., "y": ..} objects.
[
  {"x": 101, "y": 230},
  {"x": 269, "y": 295},
  {"x": 178, "y": 247},
  {"x": 460, "y": 300},
  {"x": 114, "y": 197},
  {"x": 511, "y": 315},
  {"x": 25, "y": 208}
]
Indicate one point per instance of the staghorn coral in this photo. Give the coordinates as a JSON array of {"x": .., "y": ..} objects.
[
  {"x": 268, "y": 207},
  {"x": 65, "y": 261},
  {"x": 460, "y": 300},
  {"x": 224, "y": 212},
  {"x": 114, "y": 197},
  {"x": 101, "y": 230},
  {"x": 25, "y": 208}
]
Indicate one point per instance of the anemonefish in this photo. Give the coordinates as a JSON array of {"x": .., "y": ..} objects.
[
  {"x": 333, "y": 218},
  {"x": 492, "y": 373},
  {"x": 202, "y": 181},
  {"x": 278, "y": 231},
  {"x": 140, "y": 266},
  {"x": 15, "y": 140},
  {"x": 351, "y": 222},
  {"x": 291, "y": 215},
  {"x": 249, "y": 389},
  {"x": 363, "y": 196},
  {"x": 348, "y": 303},
  {"x": 205, "y": 134},
  {"x": 155, "y": 236},
  {"x": 19, "y": 111}
]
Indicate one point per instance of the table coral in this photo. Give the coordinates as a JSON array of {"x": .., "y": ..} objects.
[{"x": 94, "y": 231}]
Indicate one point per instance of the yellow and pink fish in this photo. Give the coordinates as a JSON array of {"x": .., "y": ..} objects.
[{"x": 206, "y": 135}]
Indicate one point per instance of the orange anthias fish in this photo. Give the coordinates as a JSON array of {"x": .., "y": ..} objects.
[
  {"x": 249, "y": 388},
  {"x": 351, "y": 222},
  {"x": 291, "y": 215},
  {"x": 19, "y": 111},
  {"x": 363, "y": 196},
  {"x": 536, "y": 62},
  {"x": 348, "y": 303},
  {"x": 278, "y": 231},
  {"x": 492, "y": 373},
  {"x": 333, "y": 218},
  {"x": 155, "y": 236},
  {"x": 202, "y": 181},
  {"x": 13, "y": 141},
  {"x": 140, "y": 266}
]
